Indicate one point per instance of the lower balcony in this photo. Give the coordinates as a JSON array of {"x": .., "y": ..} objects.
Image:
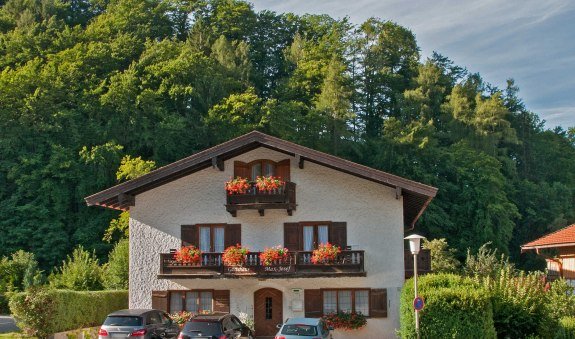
[{"x": 297, "y": 265}]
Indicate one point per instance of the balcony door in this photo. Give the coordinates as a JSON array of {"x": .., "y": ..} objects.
[
  {"x": 268, "y": 311},
  {"x": 212, "y": 238},
  {"x": 313, "y": 235}
]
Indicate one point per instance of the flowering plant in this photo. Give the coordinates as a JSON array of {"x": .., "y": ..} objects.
[
  {"x": 325, "y": 253},
  {"x": 181, "y": 317},
  {"x": 268, "y": 183},
  {"x": 235, "y": 255},
  {"x": 238, "y": 185},
  {"x": 345, "y": 320},
  {"x": 269, "y": 255},
  {"x": 188, "y": 255}
]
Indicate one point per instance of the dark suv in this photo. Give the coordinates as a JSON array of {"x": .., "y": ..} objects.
[
  {"x": 144, "y": 324},
  {"x": 215, "y": 326}
]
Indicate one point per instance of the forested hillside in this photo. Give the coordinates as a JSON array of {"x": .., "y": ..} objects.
[{"x": 86, "y": 82}]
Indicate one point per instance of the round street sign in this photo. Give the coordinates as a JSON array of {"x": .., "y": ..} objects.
[{"x": 418, "y": 303}]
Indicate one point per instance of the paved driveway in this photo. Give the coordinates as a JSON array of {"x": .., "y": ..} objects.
[{"x": 7, "y": 324}]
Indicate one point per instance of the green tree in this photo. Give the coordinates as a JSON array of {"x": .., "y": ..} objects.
[{"x": 443, "y": 258}]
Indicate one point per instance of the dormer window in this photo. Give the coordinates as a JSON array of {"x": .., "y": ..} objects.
[{"x": 262, "y": 167}]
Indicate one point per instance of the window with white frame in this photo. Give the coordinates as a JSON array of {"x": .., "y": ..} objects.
[
  {"x": 191, "y": 301},
  {"x": 346, "y": 300}
]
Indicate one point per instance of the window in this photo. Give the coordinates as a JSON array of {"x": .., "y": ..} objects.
[
  {"x": 191, "y": 301},
  {"x": 262, "y": 167},
  {"x": 313, "y": 235},
  {"x": 307, "y": 235},
  {"x": 211, "y": 238},
  {"x": 269, "y": 308},
  {"x": 353, "y": 300}
]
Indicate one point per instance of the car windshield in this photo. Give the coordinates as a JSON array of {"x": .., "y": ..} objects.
[
  {"x": 299, "y": 329},
  {"x": 123, "y": 321},
  {"x": 208, "y": 328}
]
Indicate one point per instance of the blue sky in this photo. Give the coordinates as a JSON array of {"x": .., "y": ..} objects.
[{"x": 530, "y": 41}]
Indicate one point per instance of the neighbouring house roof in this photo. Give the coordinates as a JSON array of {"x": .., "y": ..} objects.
[
  {"x": 561, "y": 238},
  {"x": 416, "y": 196}
]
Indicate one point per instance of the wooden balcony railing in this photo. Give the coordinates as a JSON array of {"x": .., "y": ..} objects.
[
  {"x": 298, "y": 264},
  {"x": 254, "y": 199},
  {"x": 423, "y": 263}
]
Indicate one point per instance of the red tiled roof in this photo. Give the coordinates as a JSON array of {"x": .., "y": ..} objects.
[{"x": 558, "y": 238}]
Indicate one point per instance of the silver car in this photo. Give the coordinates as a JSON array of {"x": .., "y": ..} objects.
[
  {"x": 141, "y": 324},
  {"x": 301, "y": 328}
]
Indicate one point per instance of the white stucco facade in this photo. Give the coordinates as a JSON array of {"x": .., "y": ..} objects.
[{"x": 373, "y": 214}]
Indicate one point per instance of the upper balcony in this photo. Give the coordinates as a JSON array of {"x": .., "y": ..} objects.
[
  {"x": 254, "y": 199},
  {"x": 297, "y": 265}
]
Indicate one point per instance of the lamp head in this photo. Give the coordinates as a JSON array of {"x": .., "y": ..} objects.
[{"x": 414, "y": 243}]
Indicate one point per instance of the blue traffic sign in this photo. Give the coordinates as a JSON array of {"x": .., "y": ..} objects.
[{"x": 418, "y": 303}]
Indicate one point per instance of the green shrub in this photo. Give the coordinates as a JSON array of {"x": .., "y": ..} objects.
[
  {"x": 561, "y": 299},
  {"x": 116, "y": 271},
  {"x": 566, "y": 328},
  {"x": 19, "y": 272},
  {"x": 455, "y": 307},
  {"x": 520, "y": 304},
  {"x": 41, "y": 311},
  {"x": 80, "y": 272}
]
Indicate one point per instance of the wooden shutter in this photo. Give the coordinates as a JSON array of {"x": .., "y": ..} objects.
[
  {"x": 160, "y": 300},
  {"x": 292, "y": 236},
  {"x": 232, "y": 235},
  {"x": 241, "y": 169},
  {"x": 313, "y": 303},
  {"x": 282, "y": 170},
  {"x": 190, "y": 235},
  {"x": 221, "y": 301},
  {"x": 338, "y": 234},
  {"x": 378, "y": 303}
]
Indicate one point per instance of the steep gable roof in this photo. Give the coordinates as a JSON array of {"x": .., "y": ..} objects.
[
  {"x": 559, "y": 238},
  {"x": 416, "y": 196}
]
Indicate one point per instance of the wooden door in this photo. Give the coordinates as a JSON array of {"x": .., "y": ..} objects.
[{"x": 268, "y": 311}]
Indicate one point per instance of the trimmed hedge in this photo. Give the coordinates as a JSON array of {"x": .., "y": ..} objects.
[
  {"x": 455, "y": 307},
  {"x": 566, "y": 328},
  {"x": 42, "y": 311}
]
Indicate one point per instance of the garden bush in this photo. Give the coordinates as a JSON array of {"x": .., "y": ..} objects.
[
  {"x": 41, "y": 311},
  {"x": 566, "y": 328},
  {"x": 455, "y": 307},
  {"x": 521, "y": 305}
]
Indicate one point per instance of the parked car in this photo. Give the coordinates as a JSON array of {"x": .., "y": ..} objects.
[
  {"x": 215, "y": 326},
  {"x": 141, "y": 324},
  {"x": 301, "y": 328}
]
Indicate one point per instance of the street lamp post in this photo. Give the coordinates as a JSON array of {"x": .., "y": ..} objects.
[{"x": 414, "y": 246}]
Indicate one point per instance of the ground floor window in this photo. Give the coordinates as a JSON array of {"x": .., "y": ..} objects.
[
  {"x": 353, "y": 300},
  {"x": 191, "y": 301}
]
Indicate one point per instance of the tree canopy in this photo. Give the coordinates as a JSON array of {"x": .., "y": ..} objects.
[{"x": 89, "y": 86}]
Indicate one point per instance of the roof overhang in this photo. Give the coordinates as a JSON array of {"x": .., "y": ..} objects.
[
  {"x": 416, "y": 196},
  {"x": 539, "y": 247}
]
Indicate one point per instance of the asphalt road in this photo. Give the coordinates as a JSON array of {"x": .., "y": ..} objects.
[{"x": 7, "y": 324}]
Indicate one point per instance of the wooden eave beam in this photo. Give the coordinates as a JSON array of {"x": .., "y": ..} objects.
[{"x": 218, "y": 162}]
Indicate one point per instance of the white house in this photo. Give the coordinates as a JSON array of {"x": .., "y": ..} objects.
[{"x": 325, "y": 199}]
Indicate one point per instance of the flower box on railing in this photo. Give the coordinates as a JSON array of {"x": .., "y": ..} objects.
[
  {"x": 282, "y": 197},
  {"x": 296, "y": 263}
]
